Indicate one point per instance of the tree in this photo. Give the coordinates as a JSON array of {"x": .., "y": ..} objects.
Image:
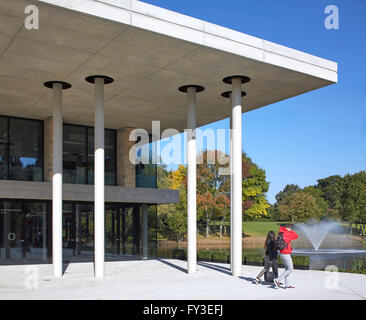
[
  {"x": 162, "y": 174},
  {"x": 319, "y": 200},
  {"x": 354, "y": 198},
  {"x": 254, "y": 187},
  {"x": 173, "y": 217},
  {"x": 332, "y": 189},
  {"x": 213, "y": 190},
  {"x": 289, "y": 188},
  {"x": 298, "y": 207}
]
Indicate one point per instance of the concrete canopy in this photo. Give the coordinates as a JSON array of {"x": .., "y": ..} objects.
[{"x": 150, "y": 52}]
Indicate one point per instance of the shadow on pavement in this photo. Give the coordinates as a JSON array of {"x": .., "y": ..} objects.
[
  {"x": 65, "y": 265},
  {"x": 249, "y": 279},
  {"x": 173, "y": 265},
  {"x": 214, "y": 267}
]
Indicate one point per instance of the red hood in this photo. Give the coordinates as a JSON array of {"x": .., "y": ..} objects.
[{"x": 288, "y": 236}]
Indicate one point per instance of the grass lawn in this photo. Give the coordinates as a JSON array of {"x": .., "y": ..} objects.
[
  {"x": 260, "y": 229},
  {"x": 255, "y": 228}
]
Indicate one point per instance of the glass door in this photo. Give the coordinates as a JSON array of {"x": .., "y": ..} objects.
[
  {"x": 23, "y": 232},
  {"x": 112, "y": 231},
  {"x": 131, "y": 229},
  {"x": 77, "y": 232},
  {"x": 122, "y": 231}
]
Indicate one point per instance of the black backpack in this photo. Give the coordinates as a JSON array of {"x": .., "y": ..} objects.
[
  {"x": 268, "y": 276},
  {"x": 280, "y": 242}
]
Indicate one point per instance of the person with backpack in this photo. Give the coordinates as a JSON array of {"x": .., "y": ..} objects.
[
  {"x": 283, "y": 243},
  {"x": 270, "y": 259}
]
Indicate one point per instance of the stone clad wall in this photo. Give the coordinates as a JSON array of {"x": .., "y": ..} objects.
[
  {"x": 48, "y": 149},
  {"x": 126, "y": 172}
]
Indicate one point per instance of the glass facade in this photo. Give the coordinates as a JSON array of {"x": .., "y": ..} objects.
[
  {"x": 146, "y": 170},
  {"x": 123, "y": 233},
  {"x": 21, "y": 154},
  {"x": 78, "y": 155},
  {"x": 26, "y": 231},
  {"x": 21, "y": 149},
  {"x": 26, "y": 225}
]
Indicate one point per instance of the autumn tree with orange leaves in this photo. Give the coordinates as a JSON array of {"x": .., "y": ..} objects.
[{"x": 213, "y": 195}]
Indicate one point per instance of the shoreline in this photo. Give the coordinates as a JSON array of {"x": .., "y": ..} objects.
[{"x": 345, "y": 241}]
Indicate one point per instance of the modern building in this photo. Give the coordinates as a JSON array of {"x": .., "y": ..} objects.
[{"x": 72, "y": 91}]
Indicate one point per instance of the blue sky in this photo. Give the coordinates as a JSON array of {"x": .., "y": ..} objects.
[{"x": 316, "y": 134}]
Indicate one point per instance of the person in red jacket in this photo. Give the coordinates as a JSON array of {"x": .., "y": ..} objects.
[{"x": 285, "y": 254}]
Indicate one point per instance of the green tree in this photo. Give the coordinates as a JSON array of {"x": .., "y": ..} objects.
[
  {"x": 298, "y": 207},
  {"x": 332, "y": 189},
  {"x": 213, "y": 190},
  {"x": 273, "y": 214},
  {"x": 254, "y": 187},
  {"x": 173, "y": 217},
  {"x": 319, "y": 200},
  {"x": 162, "y": 174},
  {"x": 354, "y": 198},
  {"x": 288, "y": 189}
]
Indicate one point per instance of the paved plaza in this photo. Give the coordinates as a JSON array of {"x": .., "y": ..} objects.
[{"x": 167, "y": 279}]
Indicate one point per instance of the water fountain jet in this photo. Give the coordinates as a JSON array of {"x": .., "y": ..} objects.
[{"x": 316, "y": 231}]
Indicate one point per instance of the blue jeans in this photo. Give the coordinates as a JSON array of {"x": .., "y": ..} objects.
[{"x": 289, "y": 267}]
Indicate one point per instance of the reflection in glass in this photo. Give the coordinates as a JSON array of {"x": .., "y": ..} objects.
[
  {"x": 122, "y": 231},
  {"x": 78, "y": 153},
  {"x": 26, "y": 231},
  {"x": 23, "y": 232},
  {"x": 78, "y": 231},
  {"x": 21, "y": 149},
  {"x": 25, "y": 150},
  {"x": 74, "y": 156},
  {"x": 146, "y": 170}
]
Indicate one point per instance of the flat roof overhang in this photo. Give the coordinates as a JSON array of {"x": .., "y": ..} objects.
[{"x": 150, "y": 52}]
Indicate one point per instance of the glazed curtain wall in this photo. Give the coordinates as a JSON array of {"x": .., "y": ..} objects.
[
  {"x": 26, "y": 231},
  {"x": 146, "y": 170},
  {"x": 123, "y": 231},
  {"x": 78, "y": 155},
  {"x": 21, "y": 149}
]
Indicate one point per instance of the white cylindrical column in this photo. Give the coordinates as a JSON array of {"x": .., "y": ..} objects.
[
  {"x": 191, "y": 181},
  {"x": 57, "y": 87},
  {"x": 236, "y": 179},
  {"x": 145, "y": 231},
  {"x": 99, "y": 159},
  {"x": 191, "y": 91},
  {"x": 99, "y": 179},
  {"x": 236, "y": 171},
  {"x": 57, "y": 181}
]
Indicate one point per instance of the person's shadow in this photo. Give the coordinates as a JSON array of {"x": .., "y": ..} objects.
[
  {"x": 249, "y": 279},
  {"x": 270, "y": 285}
]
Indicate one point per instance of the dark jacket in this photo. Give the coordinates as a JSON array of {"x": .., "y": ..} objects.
[{"x": 271, "y": 250}]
